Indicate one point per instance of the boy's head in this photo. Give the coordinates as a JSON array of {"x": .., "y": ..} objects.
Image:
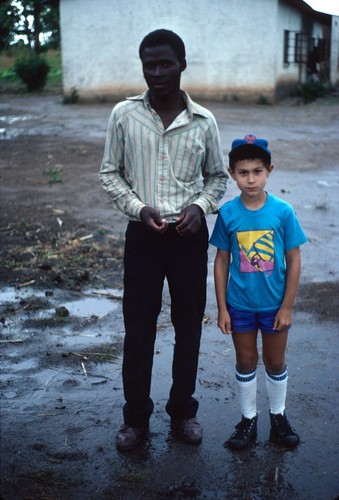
[
  {"x": 164, "y": 37},
  {"x": 249, "y": 148}
]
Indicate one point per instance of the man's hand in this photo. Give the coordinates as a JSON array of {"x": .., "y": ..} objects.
[
  {"x": 151, "y": 218},
  {"x": 189, "y": 220}
]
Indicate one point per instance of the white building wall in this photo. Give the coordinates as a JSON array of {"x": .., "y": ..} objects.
[
  {"x": 223, "y": 56},
  {"x": 334, "y": 64},
  {"x": 287, "y": 18}
]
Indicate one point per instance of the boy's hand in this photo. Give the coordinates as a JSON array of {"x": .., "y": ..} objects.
[
  {"x": 224, "y": 322},
  {"x": 283, "y": 319}
]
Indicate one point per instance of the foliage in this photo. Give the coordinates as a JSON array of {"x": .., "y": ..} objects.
[
  {"x": 15, "y": 21},
  {"x": 263, "y": 100},
  {"x": 73, "y": 98},
  {"x": 9, "y": 17},
  {"x": 55, "y": 175},
  {"x": 311, "y": 91},
  {"x": 33, "y": 72},
  {"x": 9, "y": 79}
]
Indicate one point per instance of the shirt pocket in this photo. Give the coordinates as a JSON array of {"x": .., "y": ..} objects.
[{"x": 189, "y": 158}]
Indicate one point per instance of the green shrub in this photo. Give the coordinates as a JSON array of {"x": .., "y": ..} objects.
[
  {"x": 72, "y": 98},
  {"x": 33, "y": 72},
  {"x": 263, "y": 100},
  {"x": 311, "y": 91}
]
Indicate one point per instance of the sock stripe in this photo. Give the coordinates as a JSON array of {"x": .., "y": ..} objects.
[
  {"x": 245, "y": 377},
  {"x": 277, "y": 377}
]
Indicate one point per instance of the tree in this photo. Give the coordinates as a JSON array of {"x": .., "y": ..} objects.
[
  {"x": 9, "y": 17},
  {"x": 30, "y": 18}
]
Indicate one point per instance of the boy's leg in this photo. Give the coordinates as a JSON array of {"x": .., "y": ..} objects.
[
  {"x": 273, "y": 352},
  {"x": 245, "y": 344},
  {"x": 274, "y": 346}
]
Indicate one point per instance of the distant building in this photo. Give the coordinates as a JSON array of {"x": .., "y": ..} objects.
[{"x": 235, "y": 49}]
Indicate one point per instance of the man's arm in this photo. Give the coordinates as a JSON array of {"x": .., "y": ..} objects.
[
  {"x": 213, "y": 170},
  {"x": 112, "y": 171}
]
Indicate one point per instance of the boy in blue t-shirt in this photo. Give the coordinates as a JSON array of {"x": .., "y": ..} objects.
[{"x": 256, "y": 271}]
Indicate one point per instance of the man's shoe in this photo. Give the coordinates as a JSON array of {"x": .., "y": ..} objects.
[
  {"x": 128, "y": 437},
  {"x": 189, "y": 430},
  {"x": 282, "y": 431},
  {"x": 246, "y": 431}
]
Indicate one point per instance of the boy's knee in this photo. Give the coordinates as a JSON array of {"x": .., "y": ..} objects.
[
  {"x": 274, "y": 365},
  {"x": 247, "y": 363}
]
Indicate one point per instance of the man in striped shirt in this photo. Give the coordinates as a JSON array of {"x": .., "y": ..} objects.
[{"x": 163, "y": 167}]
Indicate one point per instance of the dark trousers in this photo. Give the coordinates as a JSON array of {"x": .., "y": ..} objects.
[{"x": 149, "y": 259}]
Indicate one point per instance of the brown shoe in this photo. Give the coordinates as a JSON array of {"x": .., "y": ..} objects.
[
  {"x": 189, "y": 429},
  {"x": 128, "y": 437}
]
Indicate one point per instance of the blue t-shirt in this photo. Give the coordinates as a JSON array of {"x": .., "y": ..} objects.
[{"x": 257, "y": 241}]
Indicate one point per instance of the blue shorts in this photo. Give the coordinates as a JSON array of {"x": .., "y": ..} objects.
[{"x": 247, "y": 321}]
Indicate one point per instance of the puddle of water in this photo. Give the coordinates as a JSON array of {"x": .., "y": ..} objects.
[
  {"x": 91, "y": 306},
  {"x": 90, "y": 303},
  {"x": 10, "y": 131},
  {"x": 9, "y": 394},
  {"x": 13, "y": 119},
  {"x": 27, "y": 364}
]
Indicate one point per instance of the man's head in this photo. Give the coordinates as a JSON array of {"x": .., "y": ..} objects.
[
  {"x": 164, "y": 37},
  {"x": 162, "y": 54},
  {"x": 249, "y": 148}
]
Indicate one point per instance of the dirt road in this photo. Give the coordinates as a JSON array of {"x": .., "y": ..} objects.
[{"x": 61, "y": 322}]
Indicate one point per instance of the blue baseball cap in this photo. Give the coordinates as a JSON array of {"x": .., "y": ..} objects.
[{"x": 249, "y": 147}]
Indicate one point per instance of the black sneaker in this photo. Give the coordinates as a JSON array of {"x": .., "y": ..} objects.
[
  {"x": 246, "y": 431},
  {"x": 282, "y": 431}
]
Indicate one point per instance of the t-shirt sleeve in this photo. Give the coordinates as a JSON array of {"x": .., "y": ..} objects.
[
  {"x": 294, "y": 234},
  {"x": 220, "y": 236}
]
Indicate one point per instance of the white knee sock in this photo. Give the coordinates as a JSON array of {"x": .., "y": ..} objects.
[
  {"x": 247, "y": 391},
  {"x": 276, "y": 385}
]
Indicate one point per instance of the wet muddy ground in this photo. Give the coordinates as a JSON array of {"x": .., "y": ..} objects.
[{"x": 61, "y": 328}]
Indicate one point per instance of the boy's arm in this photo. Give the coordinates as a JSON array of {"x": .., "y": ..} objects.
[
  {"x": 221, "y": 271},
  {"x": 284, "y": 316}
]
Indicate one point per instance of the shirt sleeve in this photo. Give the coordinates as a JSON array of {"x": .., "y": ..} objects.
[
  {"x": 213, "y": 171},
  {"x": 112, "y": 170}
]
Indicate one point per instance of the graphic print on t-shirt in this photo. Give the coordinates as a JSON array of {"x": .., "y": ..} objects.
[{"x": 256, "y": 251}]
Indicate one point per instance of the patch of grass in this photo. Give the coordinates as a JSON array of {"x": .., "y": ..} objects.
[
  {"x": 49, "y": 478},
  {"x": 54, "y": 175},
  {"x": 263, "y": 100},
  {"x": 133, "y": 478},
  {"x": 103, "y": 353},
  {"x": 34, "y": 303}
]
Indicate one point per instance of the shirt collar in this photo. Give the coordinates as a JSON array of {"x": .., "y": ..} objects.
[{"x": 192, "y": 107}]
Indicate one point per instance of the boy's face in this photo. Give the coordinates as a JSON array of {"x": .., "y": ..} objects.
[
  {"x": 162, "y": 70},
  {"x": 250, "y": 176}
]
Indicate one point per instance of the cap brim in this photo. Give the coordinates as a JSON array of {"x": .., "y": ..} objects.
[{"x": 248, "y": 151}]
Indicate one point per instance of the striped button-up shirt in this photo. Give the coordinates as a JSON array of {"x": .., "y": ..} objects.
[{"x": 167, "y": 169}]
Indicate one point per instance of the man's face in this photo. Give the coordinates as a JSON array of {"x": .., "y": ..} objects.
[{"x": 162, "y": 70}]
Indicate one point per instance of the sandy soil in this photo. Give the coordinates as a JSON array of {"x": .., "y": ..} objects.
[{"x": 61, "y": 323}]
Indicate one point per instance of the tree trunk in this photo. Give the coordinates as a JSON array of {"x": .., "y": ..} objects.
[{"x": 37, "y": 11}]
